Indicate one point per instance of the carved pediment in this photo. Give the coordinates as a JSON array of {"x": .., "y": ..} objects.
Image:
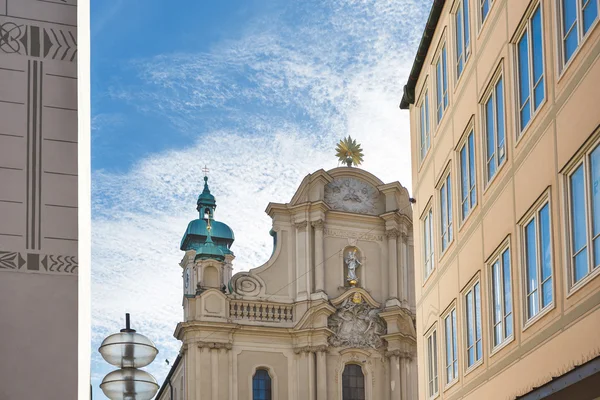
[{"x": 353, "y": 195}]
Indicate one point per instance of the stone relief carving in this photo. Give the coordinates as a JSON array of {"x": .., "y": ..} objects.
[
  {"x": 356, "y": 324},
  {"x": 353, "y": 195},
  {"x": 246, "y": 285},
  {"x": 353, "y": 237}
]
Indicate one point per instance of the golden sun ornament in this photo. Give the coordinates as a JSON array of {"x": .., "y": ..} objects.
[{"x": 349, "y": 152}]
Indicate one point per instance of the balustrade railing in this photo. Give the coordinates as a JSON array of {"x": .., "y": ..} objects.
[{"x": 260, "y": 311}]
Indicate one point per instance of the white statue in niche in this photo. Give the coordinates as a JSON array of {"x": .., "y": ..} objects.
[{"x": 352, "y": 262}]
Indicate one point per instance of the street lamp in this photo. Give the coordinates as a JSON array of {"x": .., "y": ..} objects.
[{"x": 129, "y": 351}]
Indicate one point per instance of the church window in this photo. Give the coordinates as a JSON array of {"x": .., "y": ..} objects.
[
  {"x": 353, "y": 383},
  {"x": 261, "y": 385}
]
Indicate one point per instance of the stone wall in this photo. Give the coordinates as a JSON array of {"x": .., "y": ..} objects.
[{"x": 38, "y": 199}]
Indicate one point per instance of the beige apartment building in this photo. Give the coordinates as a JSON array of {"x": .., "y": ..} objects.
[
  {"x": 330, "y": 316},
  {"x": 39, "y": 202},
  {"x": 504, "y": 107}
]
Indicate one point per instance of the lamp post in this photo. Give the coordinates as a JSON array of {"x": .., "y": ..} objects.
[{"x": 129, "y": 351}]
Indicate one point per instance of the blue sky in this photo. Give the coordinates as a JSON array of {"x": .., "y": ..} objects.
[{"x": 260, "y": 91}]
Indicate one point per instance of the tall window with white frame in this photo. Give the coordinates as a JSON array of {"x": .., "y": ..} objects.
[
  {"x": 467, "y": 176},
  {"x": 494, "y": 129},
  {"x": 424, "y": 125},
  {"x": 530, "y": 61},
  {"x": 473, "y": 324},
  {"x": 538, "y": 261},
  {"x": 428, "y": 242},
  {"x": 584, "y": 216},
  {"x": 577, "y": 17},
  {"x": 501, "y": 298},
  {"x": 446, "y": 212},
  {"x": 451, "y": 347},
  {"x": 441, "y": 84},
  {"x": 484, "y": 9},
  {"x": 463, "y": 36},
  {"x": 432, "y": 365}
]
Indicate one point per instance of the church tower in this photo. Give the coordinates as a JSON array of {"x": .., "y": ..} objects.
[
  {"x": 208, "y": 260},
  {"x": 330, "y": 316}
]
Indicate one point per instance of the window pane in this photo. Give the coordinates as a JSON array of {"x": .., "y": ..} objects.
[
  {"x": 546, "y": 249},
  {"x": 472, "y": 170},
  {"x": 579, "y": 228},
  {"x": 435, "y": 363},
  {"x": 464, "y": 181},
  {"x": 570, "y": 34},
  {"x": 497, "y": 302},
  {"x": 261, "y": 385},
  {"x": 465, "y": 6},
  {"x": 459, "y": 41},
  {"x": 444, "y": 206},
  {"x": 524, "y": 79},
  {"x": 353, "y": 383},
  {"x": 423, "y": 138},
  {"x": 454, "y": 345},
  {"x": 538, "y": 60},
  {"x": 500, "y": 121},
  {"x": 448, "y": 334},
  {"x": 438, "y": 80},
  {"x": 485, "y": 8},
  {"x": 427, "y": 130},
  {"x": 590, "y": 13},
  {"x": 595, "y": 194},
  {"x": 470, "y": 328},
  {"x": 445, "y": 77},
  {"x": 449, "y": 196},
  {"x": 430, "y": 221},
  {"x": 531, "y": 267},
  {"x": 477, "y": 321},
  {"x": 490, "y": 137},
  {"x": 507, "y": 292}
]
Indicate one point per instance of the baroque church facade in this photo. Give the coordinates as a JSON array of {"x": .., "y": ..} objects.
[{"x": 331, "y": 314}]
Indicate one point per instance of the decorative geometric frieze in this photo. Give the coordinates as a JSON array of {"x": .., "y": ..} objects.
[
  {"x": 352, "y": 235},
  {"x": 34, "y": 41},
  {"x": 11, "y": 260},
  {"x": 48, "y": 263}
]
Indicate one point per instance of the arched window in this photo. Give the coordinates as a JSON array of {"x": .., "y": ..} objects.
[
  {"x": 261, "y": 385},
  {"x": 353, "y": 383}
]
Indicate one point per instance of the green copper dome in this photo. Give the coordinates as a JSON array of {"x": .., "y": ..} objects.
[
  {"x": 196, "y": 235},
  {"x": 210, "y": 251}
]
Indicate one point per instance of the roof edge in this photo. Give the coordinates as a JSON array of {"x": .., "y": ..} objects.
[
  {"x": 408, "y": 97},
  {"x": 168, "y": 378}
]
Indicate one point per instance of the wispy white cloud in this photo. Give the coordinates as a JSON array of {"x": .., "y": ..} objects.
[{"x": 261, "y": 111}]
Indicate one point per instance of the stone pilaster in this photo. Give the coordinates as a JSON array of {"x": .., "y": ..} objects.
[
  {"x": 392, "y": 236},
  {"x": 302, "y": 279},
  {"x": 319, "y": 267},
  {"x": 322, "y": 374}
]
